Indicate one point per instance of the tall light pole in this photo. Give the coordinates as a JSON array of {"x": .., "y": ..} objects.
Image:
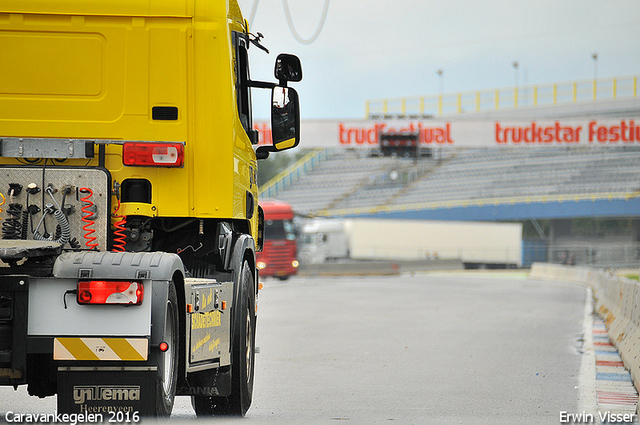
[
  {"x": 440, "y": 73},
  {"x": 594, "y": 56},
  {"x": 515, "y": 65}
]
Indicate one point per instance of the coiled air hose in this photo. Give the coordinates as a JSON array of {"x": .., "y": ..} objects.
[{"x": 62, "y": 222}]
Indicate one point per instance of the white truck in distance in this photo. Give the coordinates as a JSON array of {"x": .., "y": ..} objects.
[{"x": 476, "y": 244}]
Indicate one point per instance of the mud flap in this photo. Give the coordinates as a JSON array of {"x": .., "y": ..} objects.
[{"x": 111, "y": 392}]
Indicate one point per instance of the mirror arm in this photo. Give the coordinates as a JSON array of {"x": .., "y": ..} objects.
[
  {"x": 263, "y": 152},
  {"x": 261, "y": 84}
]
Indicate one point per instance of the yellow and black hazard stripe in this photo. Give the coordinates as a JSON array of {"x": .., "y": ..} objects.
[{"x": 100, "y": 349}]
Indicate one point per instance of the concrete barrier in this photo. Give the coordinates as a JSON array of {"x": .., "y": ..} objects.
[
  {"x": 617, "y": 302},
  {"x": 546, "y": 271}
]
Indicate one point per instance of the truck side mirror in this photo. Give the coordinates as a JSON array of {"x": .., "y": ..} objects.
[
  {"x": 285, "y": 118},
  {"x": 285, "y": 106},
  {"x": 288, "y": 68}
]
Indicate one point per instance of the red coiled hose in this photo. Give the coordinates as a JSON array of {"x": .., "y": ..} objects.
[{"x": 119, "y": 239}]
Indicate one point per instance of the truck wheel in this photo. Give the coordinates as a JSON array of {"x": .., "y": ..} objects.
[
  {"x": 167, "y": 361},
  {"x": 242, "y": 357}
]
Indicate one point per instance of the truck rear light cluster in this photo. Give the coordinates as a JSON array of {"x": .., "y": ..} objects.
[
  {"x": 153, "y": 154},
  {"x": 110, "y": 292}
]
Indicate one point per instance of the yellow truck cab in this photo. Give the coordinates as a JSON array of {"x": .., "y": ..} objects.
[{"x": 128, "y": 161}]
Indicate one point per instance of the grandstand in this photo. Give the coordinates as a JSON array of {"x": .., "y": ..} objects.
[
  {"x": 556, "y": 184},
  {"x": 357, "y": 182}
]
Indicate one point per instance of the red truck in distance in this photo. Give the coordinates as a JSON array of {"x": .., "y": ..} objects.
[{"x": 278, "y": 256}]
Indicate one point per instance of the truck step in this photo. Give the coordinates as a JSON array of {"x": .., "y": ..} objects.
[{"x": 18, "y": 249}]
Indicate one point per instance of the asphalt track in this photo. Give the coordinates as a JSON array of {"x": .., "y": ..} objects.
[
  {"x": 481, "y": 348},
  {"x": 430, "y": 348}
]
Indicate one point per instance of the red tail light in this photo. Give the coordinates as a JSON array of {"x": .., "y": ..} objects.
[
  {"x": 153, "y": 154},
  {"x": 110, "y": 292}
]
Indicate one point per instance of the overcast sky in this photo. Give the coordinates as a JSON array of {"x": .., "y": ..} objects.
[{"x": 392, "y": 48}]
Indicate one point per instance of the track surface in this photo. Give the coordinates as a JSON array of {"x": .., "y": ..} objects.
[{"x": 430, "y": 348}]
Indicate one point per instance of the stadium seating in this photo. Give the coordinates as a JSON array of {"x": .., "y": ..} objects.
[{"x": 357, "y": 179}]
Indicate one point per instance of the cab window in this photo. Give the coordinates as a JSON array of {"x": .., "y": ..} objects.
[{"x": 243, "y": 91}]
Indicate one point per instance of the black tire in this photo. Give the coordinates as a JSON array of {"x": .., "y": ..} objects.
[
  {"x": 242, "y": 356},
  {"x": 167, "y": 361}
]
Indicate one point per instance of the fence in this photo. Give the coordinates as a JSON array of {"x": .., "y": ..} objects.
[
  {"x": 618, "y": 255},
  {"x": 503, "y": 98},
  {"x": 592, "y": 254}
]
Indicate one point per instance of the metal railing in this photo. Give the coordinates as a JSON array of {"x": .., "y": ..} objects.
[
  {"x": 293, "y": 173},
  {"x": 595, "y": 254},
  {"x": 504, "y": 98}
]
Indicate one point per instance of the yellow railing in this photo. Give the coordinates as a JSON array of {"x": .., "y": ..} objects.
[
  {"x": 504, "y": 98},
  {"x": 292, "y": 173}
]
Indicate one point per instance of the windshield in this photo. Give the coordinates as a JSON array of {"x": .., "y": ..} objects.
[
  {"x": 309, "y": 238},
  {"x": 279, "y": 229}
]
